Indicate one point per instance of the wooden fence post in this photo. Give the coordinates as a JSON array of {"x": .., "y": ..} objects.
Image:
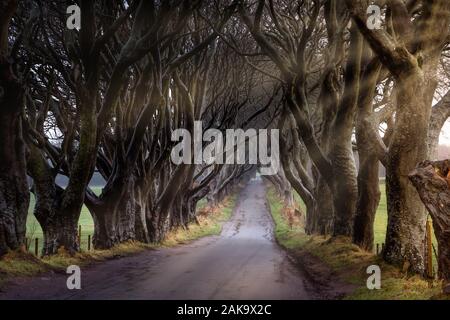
[
  {"x": 89, "y": 242},
  {"x": 378, "y": 248},
  {"x": 429, "y": 250},
  {"x": 36, "y": 247}
]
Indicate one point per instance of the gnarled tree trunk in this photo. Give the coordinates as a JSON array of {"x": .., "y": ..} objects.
[
  {"x": 105, "y": 226},
  {"x": 432, "y": 181},
  {"x": 321, "y": 221},
  {"x": 142, "y": 205},
  {"x": 406, "y": 214},
  {"x": 59, "y": 224},
  {"x": 60, "y": 230},
  {"x": 14, "y": 193},
  {"x": 368, "y": 179},
  {"x": 114, "y": 215},
  {"x": 368, "y": 199},
  {"x": 345, "y": 190}
]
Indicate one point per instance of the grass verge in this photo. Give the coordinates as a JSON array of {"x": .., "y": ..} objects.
[
  {"x": 345, "y": 264},
  {"x": 24, "y": 264}
]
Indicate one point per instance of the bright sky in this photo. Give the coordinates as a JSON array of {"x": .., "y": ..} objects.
[{"x": 445, "y": 134}]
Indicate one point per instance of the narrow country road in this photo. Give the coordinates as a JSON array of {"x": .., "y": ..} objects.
[{"x": 244, "y": 262}]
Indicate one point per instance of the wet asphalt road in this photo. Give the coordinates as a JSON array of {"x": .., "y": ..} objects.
[{"x": 244, "y": 262}]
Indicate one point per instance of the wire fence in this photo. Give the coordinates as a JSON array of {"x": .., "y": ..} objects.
[{"x": 34, "y": 244}]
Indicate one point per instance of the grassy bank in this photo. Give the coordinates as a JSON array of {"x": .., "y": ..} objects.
[
  {"x": 346, "y": 263},
  {"x": 23, "y": 263},
  {"x": 380, "y": 223}
]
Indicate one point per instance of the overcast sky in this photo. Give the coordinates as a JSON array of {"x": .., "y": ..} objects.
[{"x": 445, "y": 134}]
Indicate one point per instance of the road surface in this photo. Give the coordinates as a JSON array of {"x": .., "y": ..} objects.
[{"x": 244, "y": 262}]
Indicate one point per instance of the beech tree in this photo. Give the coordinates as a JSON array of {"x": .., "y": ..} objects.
[
  {"x": 113, "y": 209},
  {"x": 410, "y": 54},
  {"x": 80, "y": 102}
]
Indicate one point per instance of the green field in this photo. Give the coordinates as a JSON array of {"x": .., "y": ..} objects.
[{"x": 380, "y": 225}]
